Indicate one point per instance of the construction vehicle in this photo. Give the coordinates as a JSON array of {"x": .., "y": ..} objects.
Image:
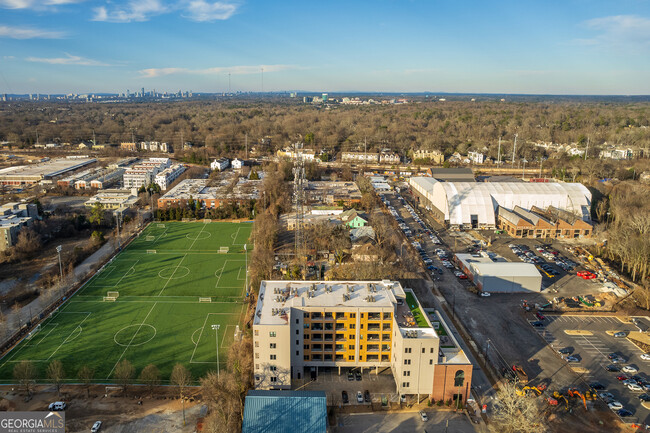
[
  {"x": 522, "y": 377},
  {"x": 556, "y": 399},
  {"x": 577, "y": 394}
]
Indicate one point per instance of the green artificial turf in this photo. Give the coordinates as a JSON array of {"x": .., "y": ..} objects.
[
  {"x": 415, "y": 309},
  {"x": 157, "y": 317}
]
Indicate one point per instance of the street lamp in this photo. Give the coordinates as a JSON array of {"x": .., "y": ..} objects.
[{"x": 216, "y": 328}]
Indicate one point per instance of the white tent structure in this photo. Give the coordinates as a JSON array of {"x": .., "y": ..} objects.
[{"x": 469, "y": 204}]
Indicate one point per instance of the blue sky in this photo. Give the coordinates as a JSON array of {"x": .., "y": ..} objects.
[{"x": 557, "y": 47}]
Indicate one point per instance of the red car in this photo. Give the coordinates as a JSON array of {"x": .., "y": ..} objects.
[
  {"x": 540, "y": 316},
  {"x": 622, "y": 377},
  {"x": 586, "y": 275}
]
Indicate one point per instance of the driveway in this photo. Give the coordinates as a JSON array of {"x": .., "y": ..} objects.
[{"x": 410, "y": 422}]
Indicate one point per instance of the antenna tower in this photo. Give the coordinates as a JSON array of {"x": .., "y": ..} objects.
[{"x": 299, "y": 199}]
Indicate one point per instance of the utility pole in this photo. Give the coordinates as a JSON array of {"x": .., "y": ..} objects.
[
  {"x": 94, "y": 141},
  {"x": 514, "y": 150},
  {"x": 117, "y": 217},
  {"x": 499, "y": 154},
  {"x": 58, "y": 250},
  {"x": 216, "y": 329},
  {"x": 246, "y": 145},
  {"x": 587, "y": 150}
]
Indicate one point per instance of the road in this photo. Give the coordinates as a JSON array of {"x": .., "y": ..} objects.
[{"x": 408, "y": 422}]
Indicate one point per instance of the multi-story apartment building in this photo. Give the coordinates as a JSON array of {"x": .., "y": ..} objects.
[
  {"x": 300, "y": 325},
  {"x": 387, "y": 157},
  {"x": 13, "y": 217},
  {"x": 165, "y": 178},
  {"x": 290, "y": 153},
  {"x": 360, "y": 157},
  {"x": 434, "y": 155},
  {"x": 220, "y": 164},
  {"x": 476, "y": 157}
]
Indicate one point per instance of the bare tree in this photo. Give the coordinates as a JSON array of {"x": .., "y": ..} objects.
[
  {"x": 86, "y": 375},
  {"x": 182, "y": 378},
  {"x": 25, "y": 374},
  {"x": 56, "y": 373},
  {"x": 124, "y": 374},
  {"x": 150, "y": 376},
  {"x": 516, "y": 414}
]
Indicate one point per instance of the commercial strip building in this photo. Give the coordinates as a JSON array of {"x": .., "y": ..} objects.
[
  {"x": 13, "y": 217},
  {"x": 232, "y": 188},
  {"x": 355, "y": 324},
  {"x": 166, "y": 177},
  {"x": 499, "y": 276},
  {"x": 302, "y": 412},
  {"x": 475, "y": 204},
  {"x": 330, "y": 193},
  {"x": 42, "y": 172},
  {"x": 542, "y": 224},
  {"x": 114, "y": 199},
  {"x": 108, "y": 179}
]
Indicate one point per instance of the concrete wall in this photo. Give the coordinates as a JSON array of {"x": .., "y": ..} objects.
[{"x": 508, "y": 284}]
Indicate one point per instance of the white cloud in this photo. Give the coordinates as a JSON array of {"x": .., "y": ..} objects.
[
  {"x": 68, "y": 60},
  {"x": 35, "y": 4},
  {"x": 235, "y": 70},
  {"x": 143, "y": 10},
  {"x": 29, "y": 33},
  {"x": 201, "y": 10},
  {"x": 628, "y": 31},
  {"x": 135, "y": 10}
]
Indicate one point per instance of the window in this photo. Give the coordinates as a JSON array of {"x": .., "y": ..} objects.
[
  {"x": 306, "y": 357},
  {"x": 423, "y": 350},
  {"x": 272, "y": 357},
  {"x": 297, "y": 352},
  {"x": 272, "y": 345},
  {"x": 305, "y": 315},
  {"x": 405, "y": 384},
  {"x": 297, "y": 342},
  {"x": 363, "y": 315},
  {"x": 297, "y": 321},
  {"x": 257, "y": 378},
  {"x": 273, "y": 368},
  {"x": 407, "y": 362},
  {"x": 459, "y": 378},
  {"x": 257, "y": 366},
  {"x": 274, "y": 379},
  {"x": 353, "y": 315},
  {"x": 351, "y": 337},
  {"x": 272, "y": 334},
  {"x": 386, "y": 316},
  {"x": 351, "y": 358},
  {"x": 297, "y": 331},
  {"x": 257, "y": 344},
  {"x": 353, "y": 326},
  {"x": 257, "y": 356},
  {"x": 407, "y": 350},
  {"x": 431, "y": 350},
  {"x": 257, "y": 332},
  {"x": 306, "y": 347},
  {"x": 431, "y": 362},
  {"x": 407, "y": 373},
  {"x": 351, "y": 347}
]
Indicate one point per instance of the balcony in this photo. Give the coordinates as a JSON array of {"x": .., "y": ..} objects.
[
  {"x": 329, "y": 327},
  {"x": 374, "y": 316},
  {"x": 316, "y": 327},
  {"x": 373, "y": 337},
  {"x": 329, "y": 337},
  {"x": 372, "y": 348},
  {"x": 374, "y": 328}
]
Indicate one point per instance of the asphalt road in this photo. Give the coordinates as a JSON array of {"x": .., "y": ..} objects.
[
  {"x": 409, "y": 422},
  {"x": 592, "y": 350}
]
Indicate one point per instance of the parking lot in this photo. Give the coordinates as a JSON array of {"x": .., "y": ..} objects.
[{"x": 589, "y": 340}]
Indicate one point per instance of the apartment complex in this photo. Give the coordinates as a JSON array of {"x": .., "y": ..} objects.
[
  {"x": 368, "y": 324},
  {"x": 166, "y": 177},
  {"x": 220, "y": 164},
  {"x": 362, "y": 157},
  {"x": 435, "y": 156},
  {"x": 143, "y": 174},
  {"x": 330, "y": 193},
  {"x": 13, "y": 217},
  {"x": 212, "y": 193},
  {"x": 476, "y": 157},
  {"x": 290, "y": 153}
]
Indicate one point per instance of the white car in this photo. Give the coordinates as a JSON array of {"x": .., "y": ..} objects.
[
  {"x": 645, "y": 356},
  {"x": 485, "y": 294},
  {"x": 423, "y": 416},
  {"x": 615, "y": 405},
  {"x": 96, "y": 427},
  {"x": 634, "y": 387},
  {"x": 605, "y": 395},
  {"x": 630, "y": 369},
  {"x": 359, "y": 397}
]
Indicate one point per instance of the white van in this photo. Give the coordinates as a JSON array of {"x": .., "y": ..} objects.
[{"x": 57, "y": 405}]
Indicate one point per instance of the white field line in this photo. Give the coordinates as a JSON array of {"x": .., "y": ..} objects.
[
  {"x": 126, "y": 273},
  {"x": 54, "y": 325},
  {"x": 200, "y": 335},
  {"x": 131, "y": 341},
  {"x": 66, "y": 338},
  {"x": 181, "y": 261}
]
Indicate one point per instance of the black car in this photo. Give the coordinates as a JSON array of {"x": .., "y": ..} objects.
[
  {"x": 538, "y": 324},
  {"x": 566, "y": 351},
  {"x": 350, "y": 376},
  {"x": 612, "y": 355},
  {"x": 623, "y": 413},
  {"x": 357, "y": 376},
  {"x": 644, "y": 397},
  {"x": 366, "y": 396},
  {"x": 613, "y": 368},
  {"x": 344, "y": 396},
  {"x": 597, "y": 386}
]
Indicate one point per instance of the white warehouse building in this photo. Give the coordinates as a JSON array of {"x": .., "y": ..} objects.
[{"x": 474, "y": 204}]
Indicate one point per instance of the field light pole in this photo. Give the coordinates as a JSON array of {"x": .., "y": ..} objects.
[
  {"x": 216, "y": 328},
  {"x": 58, "y": 250},
  {"x": 246, "y": 255}
]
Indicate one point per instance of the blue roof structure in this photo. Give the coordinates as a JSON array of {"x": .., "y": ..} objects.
[{"x": 285, "y": 412}]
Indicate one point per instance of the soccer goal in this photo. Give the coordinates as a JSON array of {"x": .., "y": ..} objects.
[
  {"x": 207, "y": 220},
  {"x": 224, "y": 250},
  {"x": 151, "y": 251},
  {"x": 161, "y": 226},
  {"x": 110, "y": 299},
  {"x": 150, "y": 238},
  {"x": 34, "y": 331},
  {"x": 205, "y": 299},
  {"x": 113, "y": 294}
]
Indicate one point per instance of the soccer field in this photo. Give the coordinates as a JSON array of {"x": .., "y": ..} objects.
[{"x": 155, "y": 302}]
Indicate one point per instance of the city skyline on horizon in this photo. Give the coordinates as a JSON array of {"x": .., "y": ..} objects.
[{"x": 82, "y": 46}]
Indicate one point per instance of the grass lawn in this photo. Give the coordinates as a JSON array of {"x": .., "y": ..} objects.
[
  {"x": 415, "y": 309},
  {"x": 158, "y": 316}
]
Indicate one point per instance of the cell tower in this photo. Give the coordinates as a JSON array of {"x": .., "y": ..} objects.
[{"x": 299, "y": 200}]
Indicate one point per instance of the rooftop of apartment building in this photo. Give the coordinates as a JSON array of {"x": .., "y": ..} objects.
[
  {"x": 277, "y": 297},
  {"x": 221, "y": 188}
]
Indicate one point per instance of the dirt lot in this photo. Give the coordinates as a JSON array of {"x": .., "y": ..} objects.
[{"x": 162, "y": 413}]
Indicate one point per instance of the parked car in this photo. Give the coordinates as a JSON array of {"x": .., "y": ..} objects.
[
  {"x": 620, "y": 334},
  {"x": 485, "y": 294},
  {"x": 645, "y": 356},
  {"x": 613, "y": 368},
  {"x": 623, "y": 377},
  {"x": 344, "y": 397},
  {"x": 597, "y": 386},
  {"x": 357, "y": 375},
  {"x": 566, "y": 351},
  {"x": 634, "y": 387},
  {"x": 366, "y": 396},
  {"x": 623, "y": 413},
  {"x": 359, "y": 397},
  {"x": 350, "y": 376},
  {"x": 644, "y": 397},
  {"x": 540, "y": 316},
  {"x": 538, "y": 324},
  {"x": 605, "y": 395},
  {"x": 423, "y": 416},
  {"x": 615, "y": 405},
  {"x": 96, "y": 427},
  {"x": 57, "y": 405},
  {"x": 630, "y": 369},
  {"x": 572, "y": 358}
]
